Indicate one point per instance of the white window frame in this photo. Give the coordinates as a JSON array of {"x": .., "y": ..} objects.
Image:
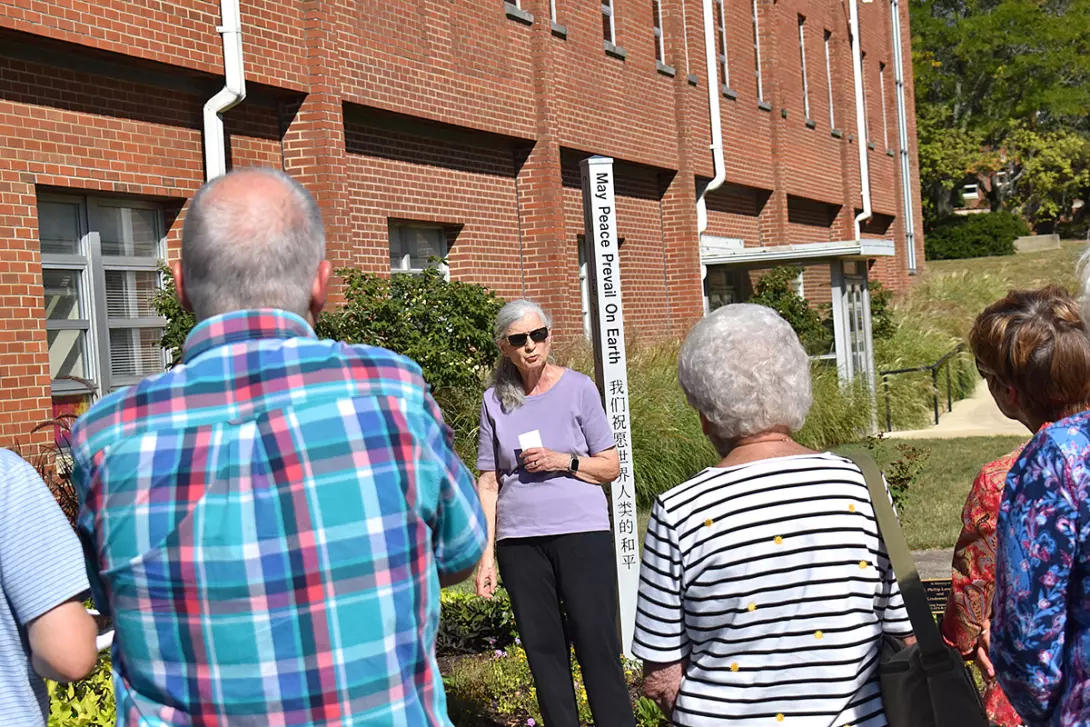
[
  {"x": 882, "y": 90},
  {"x": 93, "y": 266},
  {"x": 757, "y": 53},
  {"x": 607, "y": 12},
  {"x": 660, "y": 43},
  {"x": 970, "y": 191},
  {"x": 552, "y": 10},
  {"x": 802, "y": 57},
  {"x": 829, "y": 76},
  {"x": 721, "y": 25},
  {"x": 406, "y": 259}
]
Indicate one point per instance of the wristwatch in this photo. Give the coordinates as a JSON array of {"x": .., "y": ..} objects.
[{"x": 573, "y": 467}]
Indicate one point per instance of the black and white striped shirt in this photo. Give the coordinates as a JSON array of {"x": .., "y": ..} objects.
[{"x": 772, "y": 580}]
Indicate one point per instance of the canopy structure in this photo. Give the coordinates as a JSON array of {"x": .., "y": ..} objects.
[{"x": 723, "y": 259}]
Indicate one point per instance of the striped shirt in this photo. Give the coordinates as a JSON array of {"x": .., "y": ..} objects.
[
  {"x": 771, "y": 580},
  {"x": 41, "y": 567},
  {"x": 267, "y": 523}
]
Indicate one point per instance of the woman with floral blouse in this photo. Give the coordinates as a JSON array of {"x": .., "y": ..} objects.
[{"x": 1035, "y": 357}]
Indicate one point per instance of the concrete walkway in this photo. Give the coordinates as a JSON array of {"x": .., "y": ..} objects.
[{"x": 977, "y": 416}]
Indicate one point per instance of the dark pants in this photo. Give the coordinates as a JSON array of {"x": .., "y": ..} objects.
[{"x": 561, "y": 586}]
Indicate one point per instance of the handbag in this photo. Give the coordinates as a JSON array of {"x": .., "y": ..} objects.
[{"x": 926, "y": 684}]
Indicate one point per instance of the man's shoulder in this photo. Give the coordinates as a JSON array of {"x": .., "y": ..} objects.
[{"x": 376, "y": 361}]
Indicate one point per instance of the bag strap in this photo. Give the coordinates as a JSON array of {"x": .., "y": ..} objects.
[{"x": 908, "y": 578}]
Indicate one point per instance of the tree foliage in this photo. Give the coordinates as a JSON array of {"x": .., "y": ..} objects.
[
  {"x": 774, "y": 291},
  {"x": 997, "y": 82},
  {"x": 444, "y": 326}
]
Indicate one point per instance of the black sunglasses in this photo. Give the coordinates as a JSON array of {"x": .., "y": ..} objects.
[{"x": 518, "y": 340}]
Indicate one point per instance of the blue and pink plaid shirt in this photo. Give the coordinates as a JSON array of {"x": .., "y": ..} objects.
[{"x": 266, "y": 524}]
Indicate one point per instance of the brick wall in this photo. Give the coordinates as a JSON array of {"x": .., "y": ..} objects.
[{"x": 447, "y": 112}]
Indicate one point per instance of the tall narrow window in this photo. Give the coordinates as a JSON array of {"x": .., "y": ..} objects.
[
  {"x": 660, "y": 46},
  {"x": 757, "y": 52},
  {"x": 609, "y": 29},
  {"x": 802, "y": 57},
  {"x": 721, "y": 40},
  {"x": 882, "y": 91},
  {"x": 829, "y": 76}
]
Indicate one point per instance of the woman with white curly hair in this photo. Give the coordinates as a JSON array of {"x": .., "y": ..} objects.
[{"x": 765, "y": 589}]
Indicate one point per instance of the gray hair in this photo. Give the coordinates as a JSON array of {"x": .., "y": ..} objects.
[
  {"x": 506, "y": 377},
  {"x": 745, "y": 370},
  {"x": 243, "y": 251}
]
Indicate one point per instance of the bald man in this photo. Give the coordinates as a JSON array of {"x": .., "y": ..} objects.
[{"x": 270, "y": 521}]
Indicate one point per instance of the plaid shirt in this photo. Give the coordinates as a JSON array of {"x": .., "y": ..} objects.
[{"x": 266, "y": 524}]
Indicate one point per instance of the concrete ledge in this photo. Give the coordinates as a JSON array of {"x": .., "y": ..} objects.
[
  {"x": 1036, "y": 243},
  {"x": 514, "y": 12}
]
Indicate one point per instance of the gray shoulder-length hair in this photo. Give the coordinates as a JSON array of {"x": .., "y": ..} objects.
[
  {"x": 506, "y": 377},
  {"x": 745, "y": 370}
]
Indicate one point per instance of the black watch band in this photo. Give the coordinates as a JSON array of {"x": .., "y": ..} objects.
[{"x": 573, "y": 466}]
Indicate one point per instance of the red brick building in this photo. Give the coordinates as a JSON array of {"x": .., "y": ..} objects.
[{"x": 450, "y": 127}]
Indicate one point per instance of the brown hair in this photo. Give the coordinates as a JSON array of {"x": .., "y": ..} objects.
[{"x": 1034, "y": 342}]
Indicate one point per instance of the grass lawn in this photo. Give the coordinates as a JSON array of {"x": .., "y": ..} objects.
[{"x": 953, "y": 292}]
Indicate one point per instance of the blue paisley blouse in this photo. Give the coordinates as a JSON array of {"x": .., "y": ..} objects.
[{"x": 1041, "y": 627}]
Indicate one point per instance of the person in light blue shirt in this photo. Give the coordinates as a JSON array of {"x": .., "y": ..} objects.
[{"x": 44, "y": 629}]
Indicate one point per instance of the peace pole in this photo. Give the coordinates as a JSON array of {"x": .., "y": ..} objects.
[{"x": 611, "y": 371}]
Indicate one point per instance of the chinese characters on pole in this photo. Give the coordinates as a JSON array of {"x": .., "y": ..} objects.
[{"x": 611, "y": 372}]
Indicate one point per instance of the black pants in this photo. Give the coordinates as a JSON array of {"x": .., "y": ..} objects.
[{"x": 561, "y": 586}]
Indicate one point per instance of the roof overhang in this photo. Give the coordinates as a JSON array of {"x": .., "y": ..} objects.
[{"x": 727, "y": 251}]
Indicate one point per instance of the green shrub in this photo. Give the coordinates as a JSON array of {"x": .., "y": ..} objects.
[
  {"x": 982, "y": 235},
  {"x": 179, "y": 321},
  {"x": 469, "y": 624},
  {"x": 446, "y": 327},
  {"x": 774, "y": 291},
  {"x": 881, "y": 311},
  {"x": 86, "y": 703}
]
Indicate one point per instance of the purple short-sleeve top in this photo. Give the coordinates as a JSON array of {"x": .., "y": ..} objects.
[{"x": 568, "y": 418}]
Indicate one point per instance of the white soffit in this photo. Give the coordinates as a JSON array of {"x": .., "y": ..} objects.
[{"x": 726, "y": 251}]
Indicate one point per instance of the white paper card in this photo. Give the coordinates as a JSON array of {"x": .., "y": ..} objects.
[{"x": 530, "y": 440}]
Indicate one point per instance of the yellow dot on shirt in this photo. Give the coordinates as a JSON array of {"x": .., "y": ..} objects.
[
  {"x": 863, "y": 565},
  {"x": 819, "y": 635},
  {"x": 851, "y": 508},
  {"x": 708, "y": 523},
  {"x": 734, "y": 666},
  {"x": 779, "y": 718},
  {"x": 778, "y": 540},
  {"x": 752, "y": 607}
]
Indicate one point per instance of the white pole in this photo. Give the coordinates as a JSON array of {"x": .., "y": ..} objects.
[{"x": 611, "y": 373}]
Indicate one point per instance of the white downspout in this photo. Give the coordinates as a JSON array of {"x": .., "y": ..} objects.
[
  {"x": 902, "y": 130},
  {"x": 860, "y": 118},
  {"x": 232, "y": 93},
  {"x": 719, "y": 167}
]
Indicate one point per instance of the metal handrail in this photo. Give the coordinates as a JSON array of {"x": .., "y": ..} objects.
[{"x": 934, "y": 369}]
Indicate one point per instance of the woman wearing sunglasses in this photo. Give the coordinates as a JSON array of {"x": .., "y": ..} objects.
[{"x": 545, "y": 451}]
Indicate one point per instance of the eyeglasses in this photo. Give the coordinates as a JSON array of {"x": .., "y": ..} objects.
[{"x": 518, "y": 340}]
